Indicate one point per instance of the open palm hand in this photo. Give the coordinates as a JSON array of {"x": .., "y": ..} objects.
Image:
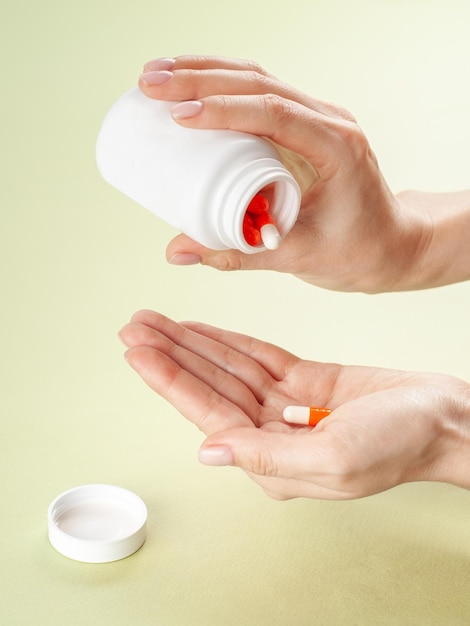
[{"x": 386, "y": 426}]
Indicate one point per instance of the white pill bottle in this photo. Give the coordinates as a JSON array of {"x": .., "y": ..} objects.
[{"x": 199, "y": 181}]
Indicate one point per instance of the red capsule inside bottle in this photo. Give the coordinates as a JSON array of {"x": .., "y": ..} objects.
[
  {"x": 257, "y": 214},
  {"x": 259, "y": 204},
  {"x": 251, "y": 232}
]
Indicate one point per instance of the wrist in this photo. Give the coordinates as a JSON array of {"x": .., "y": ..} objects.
[
  {"x": 404, "y": 236},
  {"x": 408, "y": 236},
  {"x": 452, "y": 462},
  {"x": 436, "y": 227}
]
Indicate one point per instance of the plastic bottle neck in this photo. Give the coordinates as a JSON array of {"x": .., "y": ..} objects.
[{"x": 252, "y": 179}]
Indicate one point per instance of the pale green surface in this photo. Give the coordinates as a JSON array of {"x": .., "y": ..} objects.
[{"x": 78, "y": 259}]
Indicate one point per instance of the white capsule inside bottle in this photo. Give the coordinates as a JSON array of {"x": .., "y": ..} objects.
[{"x": 270, "y": 236}]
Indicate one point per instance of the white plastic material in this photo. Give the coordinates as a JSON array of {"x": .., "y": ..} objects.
[
  {"x": 297, "y": 414},
  {"x": 97, "y": 523},
  {"x": 199, "y": 181}
]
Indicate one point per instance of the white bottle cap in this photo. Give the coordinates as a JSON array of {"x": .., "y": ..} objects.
[{"x": 97, "y": 523}]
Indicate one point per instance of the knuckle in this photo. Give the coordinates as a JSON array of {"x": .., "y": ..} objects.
[
  {"x": 261, "y": 81},
  {"x": 355, "y": 139},
  {"x": 221, "y": 101},
  {"x": 338, "y": 111},
  {"x": 205, "y": 419},
  {"x": 345, "y": 114},
  {"x": 254, "y": 67},
  {"x": 190, "y": 75},
  {"x": 226, "y": 262},
  {"x": 221, "y": 110},
  {"x": 262, "y": 464},
  {"x": 278, "y": 108}
]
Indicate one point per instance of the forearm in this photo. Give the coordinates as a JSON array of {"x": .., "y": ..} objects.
[{"x": 443, "y": 251}]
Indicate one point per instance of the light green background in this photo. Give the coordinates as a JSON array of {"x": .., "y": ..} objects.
[{"x": 78, "y": 258}]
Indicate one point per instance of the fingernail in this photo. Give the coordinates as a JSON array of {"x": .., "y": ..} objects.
[
  {"x": 191, "y": 108},
  {"x": 184, "y": 259},
  {"x": 155, "y": 78},
  {"x": 159, "y": 64},
  {"x": 216, "y": 455}
]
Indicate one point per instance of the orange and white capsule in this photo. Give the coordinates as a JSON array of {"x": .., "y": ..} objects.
[{"x": 305, "y": 415}]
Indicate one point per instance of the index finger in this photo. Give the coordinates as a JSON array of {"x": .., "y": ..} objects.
[
  {"x": 195, "y": 77},
  {"x": 321, "y": 140},
  {"x": 195, "y": 399}
]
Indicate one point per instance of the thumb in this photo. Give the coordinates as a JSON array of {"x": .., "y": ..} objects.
[
  {"x": 182, "y": 250},
  {"x": 267, "y": 453}
]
